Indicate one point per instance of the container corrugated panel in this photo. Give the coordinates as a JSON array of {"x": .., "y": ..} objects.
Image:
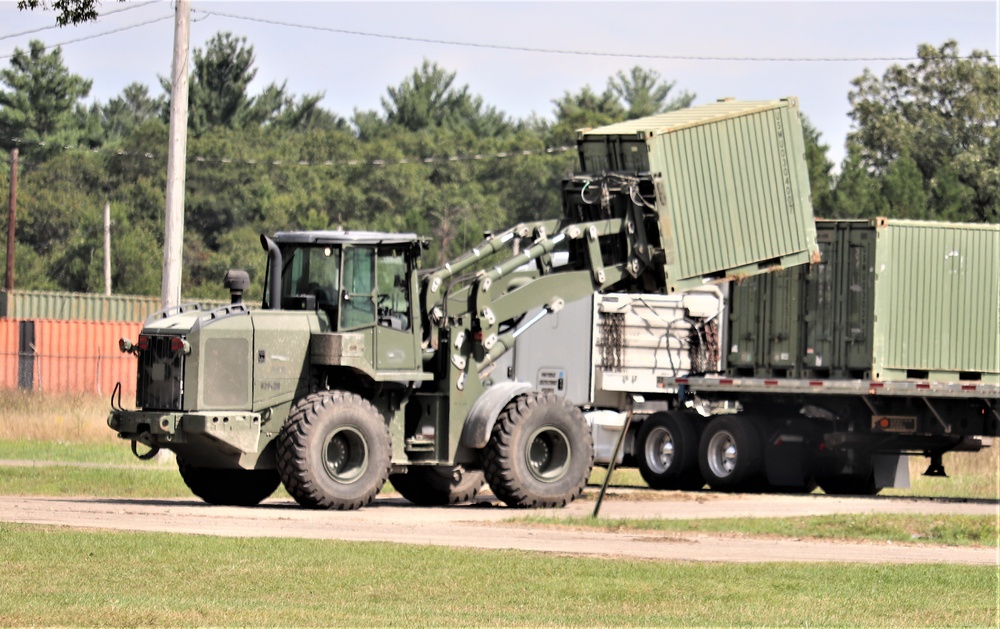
[
  {"x": 732, "y": 185},
  {"x": 20, "y": 304},
  {"x": 937, "y": 301},
  {"x": 83, "y": 357},
  {"x": 891, "y": 300},
  {"x": 9, "y": 359}
]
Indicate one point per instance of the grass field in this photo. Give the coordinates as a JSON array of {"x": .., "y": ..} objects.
[
  {"x": 82, "y": 578},
  {"x": 57, "y": 577}
]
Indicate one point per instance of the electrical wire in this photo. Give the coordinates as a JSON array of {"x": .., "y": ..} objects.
[
  {"x": 554, "y": 51},
  {"x": 326, "y": 163},
  {"x": 105, "y": 14},
  {"x": 96, "y": 35}
]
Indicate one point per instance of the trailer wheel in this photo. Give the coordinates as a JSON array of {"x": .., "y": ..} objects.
[
  {"x": 540, "y": 453},
  {"x": 334, "y": 451},
  {"x": 731, "y": 454},
  {"x": 439, "y": 485},
  {"x": 232, "y": 487},
  {"x": 667, "y": 448}
]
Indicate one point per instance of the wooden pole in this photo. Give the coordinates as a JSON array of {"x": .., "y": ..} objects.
[
  {"x": 173, "y": 234},
  {"x": 11, "y": 222}
]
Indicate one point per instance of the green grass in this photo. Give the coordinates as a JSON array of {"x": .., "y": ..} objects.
[
  {"x": 157, "y": 482},
  {"x": 111, "y": 453},
  {"x": 58, "y": 577},
  {"x": 951, "y": 530}
]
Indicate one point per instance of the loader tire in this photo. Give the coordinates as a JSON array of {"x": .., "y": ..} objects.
[
  {"x": 232, "y": 487},
  {"x": 540, "y": 452},
  {"x": 334, "y": 451},
  {"x": 667, "y": 452},
  {"x": 440, "y": 485}
]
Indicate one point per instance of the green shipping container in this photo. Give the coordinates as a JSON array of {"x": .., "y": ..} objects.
[
  {"x": 891, "y": 300},
  {"x": 26, "y": 304},
  {"x": 732, "y": 173}
]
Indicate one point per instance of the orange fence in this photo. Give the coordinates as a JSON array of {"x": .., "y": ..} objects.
[{"x": 67, "y": 356}]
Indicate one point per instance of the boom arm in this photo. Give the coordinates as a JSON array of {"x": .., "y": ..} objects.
[{"x": 603, "y": 253}]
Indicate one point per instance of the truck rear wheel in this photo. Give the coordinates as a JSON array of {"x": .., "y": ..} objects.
[
  {"x": 730, "y": 454},
  {"x": 334, "y": 451},
  {"x": 668, "y": 447},
  {"x": 439, "y": 485},
  {"x": 232, "y": 487},
  {"x": 540, "y": 452}
]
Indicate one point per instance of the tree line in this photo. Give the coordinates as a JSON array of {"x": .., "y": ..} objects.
[{"x": 924, "y": 145}]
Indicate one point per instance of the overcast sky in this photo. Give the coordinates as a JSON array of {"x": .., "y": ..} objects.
[{"x": 353, "y": 70}]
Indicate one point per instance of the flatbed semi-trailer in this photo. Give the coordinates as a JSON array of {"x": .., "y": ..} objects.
[{"x": 830, "y": 374}]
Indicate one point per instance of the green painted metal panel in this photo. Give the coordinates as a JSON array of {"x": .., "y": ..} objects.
[
  {"x": 732, "y": 185},
  {"x": 937, "y": 301},
  {"x": 23, "y": 304},
  {"x": 890, "y": 300}
]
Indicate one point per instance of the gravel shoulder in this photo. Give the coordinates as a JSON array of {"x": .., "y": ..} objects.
[{"x": 487, "y": 525}]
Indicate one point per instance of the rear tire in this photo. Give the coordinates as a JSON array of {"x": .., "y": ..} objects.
[
  {"x": 540, "y": 452},
  {"x": 730, "y": 454},
  {"x": 437, "y": 486},
  {"x": 667, "y": 452},
  {"x": 334, "y": 451},
  {"x": 232, "y": 487}
]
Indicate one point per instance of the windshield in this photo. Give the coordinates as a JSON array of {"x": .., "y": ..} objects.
[{"x": 312, "y": 271}]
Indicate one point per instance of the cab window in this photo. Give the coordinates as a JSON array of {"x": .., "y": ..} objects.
[
  {"x": 393, "y": 291},
  {"x": 357, "y": 299}
]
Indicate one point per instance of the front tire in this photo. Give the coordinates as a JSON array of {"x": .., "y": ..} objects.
[
  {"x": 439, "y": 485},
  {"x": 730, "y": 454},
  {"x": 334, "y": 451},
  {"x": 232, "y": 487},
  {"x": 667, "y": 444},
  {"x": 540, "y": 452}
]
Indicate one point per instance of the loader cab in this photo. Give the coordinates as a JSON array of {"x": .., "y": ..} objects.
[{"x": 363, "y": 282}]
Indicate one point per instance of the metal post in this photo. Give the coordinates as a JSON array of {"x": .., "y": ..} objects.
[
  {"x": 11, "y": 220},
  {"x": 107, "y": 247},
  {"x": 173, "y": 239},
  {"x": 611, "y": 464}
]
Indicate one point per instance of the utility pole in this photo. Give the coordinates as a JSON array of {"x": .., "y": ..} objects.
[
  {"x": 173, "y": 240},
  {"x": 8, "y": 284},
  {"x": 107, "y": 247}
]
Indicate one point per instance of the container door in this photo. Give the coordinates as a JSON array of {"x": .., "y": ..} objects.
[
  {"x": 858, "y": 300},
  {"x": 820, "y": 349},
  {"x": 744, "y": 325}
]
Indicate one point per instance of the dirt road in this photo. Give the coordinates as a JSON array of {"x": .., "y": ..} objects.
[{"x": 488, "y": 525}]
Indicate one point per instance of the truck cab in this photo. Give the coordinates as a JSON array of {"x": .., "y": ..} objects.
[{"x": 362, "y": 287}]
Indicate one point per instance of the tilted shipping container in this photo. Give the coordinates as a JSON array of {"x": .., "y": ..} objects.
[
  {"x": 890, "y": 300},
  {"x": 730, "y": 176}
]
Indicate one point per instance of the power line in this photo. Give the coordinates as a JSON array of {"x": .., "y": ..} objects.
[
  {"x": 554, "y": 51},
  {"x": 105, "y": 14},
  {"x": 324, "y": 163},
  {"x": 96, "y": 35}
]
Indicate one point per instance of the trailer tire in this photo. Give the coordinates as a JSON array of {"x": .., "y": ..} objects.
[
  {"x": 231, "y": 487},
  {"x": 667, "y": 452},
  {"x": 540, "y": 453},
  {"x": 334, "y": 451},
  {"x": 731, "y": 455},
  {"x": 439, "y": 485}
]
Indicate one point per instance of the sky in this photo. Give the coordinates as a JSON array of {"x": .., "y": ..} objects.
[{"x": 352, "y": 51}]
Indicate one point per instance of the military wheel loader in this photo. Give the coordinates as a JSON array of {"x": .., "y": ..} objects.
[{"x": 361, "y": 366}]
